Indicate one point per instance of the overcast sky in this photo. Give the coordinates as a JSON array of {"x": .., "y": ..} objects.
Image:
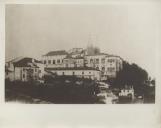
[{"x": 127, "y": 30}]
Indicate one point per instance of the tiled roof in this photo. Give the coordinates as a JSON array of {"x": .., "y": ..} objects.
[
  {"x": 60, "y": 52},
  {"x": 72, "y": 68},
  {"x": 25, "y": 62}
]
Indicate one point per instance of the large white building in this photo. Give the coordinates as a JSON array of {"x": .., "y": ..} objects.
[{"x": 108, "y": 65}]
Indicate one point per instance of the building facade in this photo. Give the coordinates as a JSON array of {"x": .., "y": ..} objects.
[
  {"x": 54, "y": 58},
  {"x": 109, "y": 65},
  {"x": 80, "y": 72},
  {"x": 24, "y": 69},
  {"x": 113, "y": 65}
]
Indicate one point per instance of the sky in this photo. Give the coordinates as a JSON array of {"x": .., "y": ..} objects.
[{"x": 128, "y": 30}]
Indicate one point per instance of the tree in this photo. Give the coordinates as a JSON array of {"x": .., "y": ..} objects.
[{"x": 131, "y": 75}]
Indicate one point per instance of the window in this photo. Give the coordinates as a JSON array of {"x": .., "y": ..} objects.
[
  {"x": 23, "y": 69},
  {"x": 49, "y": 61},
  {"x": 62, "y": 73},
  {"x": 58, "y": 61},
  {"x": 91, "y": 60},
  {"x": 111, "y": 60},
  {"x": 53, "y": 61},
  {"x": 111, "y": 69},
  {"x": 103, "y": 60},
  {"x": 97, "y": 61},
  {"x": 66, "y": 65},
  {"x": 73, "y": 73},
  {"x": 39, "y": 71},
  {"x": 35, "y": 70},
  {"x": 23, "y": 75},
  {"x": 82, "y": 73},
  {"x": 44, "y": 61},
  {"x": 89, "y": 72}
]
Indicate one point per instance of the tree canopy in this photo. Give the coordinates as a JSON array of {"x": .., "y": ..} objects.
[{"x": 131, "y": 75}]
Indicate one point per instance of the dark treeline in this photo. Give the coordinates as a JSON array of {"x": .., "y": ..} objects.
[
  {"x": 133, "y": 75},
  {"x": 55, "y": 89}
]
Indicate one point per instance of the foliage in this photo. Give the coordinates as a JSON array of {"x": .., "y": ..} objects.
[
  {"x": 56, "y": 90},
  {"x": 131, "y": 75}
]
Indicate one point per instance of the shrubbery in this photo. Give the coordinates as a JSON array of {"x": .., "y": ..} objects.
[{"x": 57, "y": 89}]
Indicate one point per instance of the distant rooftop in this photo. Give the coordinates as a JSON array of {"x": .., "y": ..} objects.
[
  {"x": 98, "y": 54},
  {"x": 25, "y": 62},
  {"x": 114, "y": 56},
  {"x": 70, "y": 57},
  {"x": 38, "y": 61},
  {"x": 15, "y": 59},
  {"x": 59, "y": 52}
]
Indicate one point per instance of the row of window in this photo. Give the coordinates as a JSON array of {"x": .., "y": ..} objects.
[
  {"x": 31, "y": 70},
  {"x": 111, "y": 69},
  {"x": 59, "y": 61},
  {"x": 63, "y": 73},
  {"x": 52, "y": 61},
  {"x": 102, "y": 60},
  {"x": 91, "y": 61}
]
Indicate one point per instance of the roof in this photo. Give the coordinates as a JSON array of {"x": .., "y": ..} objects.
[
  {"x": 25, "y": 62},
  {"x": 72, "y": 68},
  {"x": 38, "y": 61},
  {"x": 75, "y": 50},
  {"x": 99, "y": 54},
  {"x": 114, "y": 56},
  {"x": 107, "y": 55},
  {"x": 59, "y": 52},
  {"x": 15, "y": 60},
  {"x": 68, "y": 57}
]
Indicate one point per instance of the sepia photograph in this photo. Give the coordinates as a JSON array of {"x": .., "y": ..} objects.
[{"x": 80, "y": 53}]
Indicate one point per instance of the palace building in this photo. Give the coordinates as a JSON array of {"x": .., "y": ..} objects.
[{"x": 77, "y": 59}]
